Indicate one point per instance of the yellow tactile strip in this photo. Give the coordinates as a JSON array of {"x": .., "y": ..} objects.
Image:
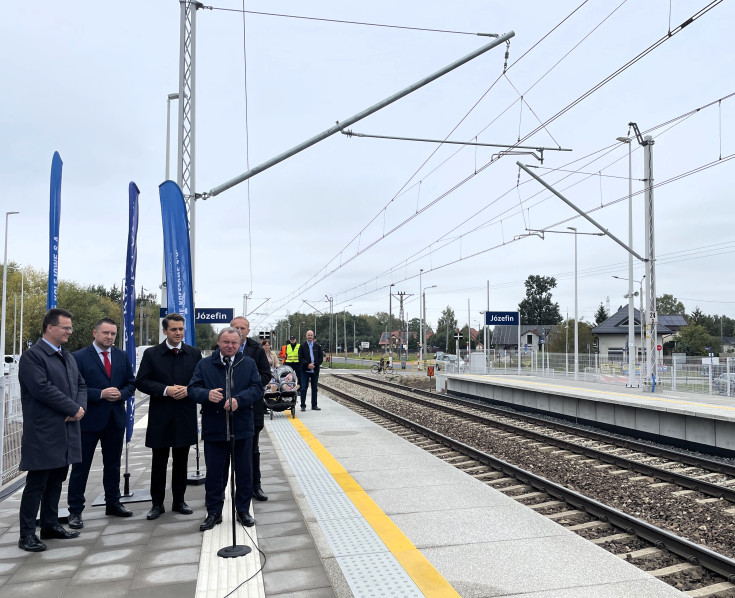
[{"x": 421, "y": 571}]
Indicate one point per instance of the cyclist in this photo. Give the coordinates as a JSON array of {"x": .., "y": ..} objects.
[{"x": 381, "y": 367}]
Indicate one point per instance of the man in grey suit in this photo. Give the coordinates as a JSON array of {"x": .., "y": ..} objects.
[{"x": 54, "y": 399}]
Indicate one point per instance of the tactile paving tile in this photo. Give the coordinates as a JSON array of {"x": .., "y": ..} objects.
[
  {"x": 368, "y": 566},
  {"x": 370, "y": 574}
]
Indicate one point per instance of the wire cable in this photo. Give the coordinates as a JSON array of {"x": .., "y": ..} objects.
[{"x": 341, "y": 21}]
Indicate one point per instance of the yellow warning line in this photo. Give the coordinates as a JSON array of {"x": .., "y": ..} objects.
[
  {"x": 423, "y": 573},
  {"x": 646, "y": 397}
]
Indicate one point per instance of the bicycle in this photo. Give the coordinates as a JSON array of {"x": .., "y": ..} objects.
[{"x": 377, "y": 368}]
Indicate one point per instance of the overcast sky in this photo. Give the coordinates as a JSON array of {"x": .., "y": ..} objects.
[{"x": 349, "y": 216}]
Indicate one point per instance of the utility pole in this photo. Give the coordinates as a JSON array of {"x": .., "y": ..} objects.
[
  {"x": 389, "y": 334},
  {"x": 404, "y": 324}
]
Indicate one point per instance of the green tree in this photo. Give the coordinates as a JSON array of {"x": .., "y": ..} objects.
[
  {"x": 668, "y": 305},
  {"x": 205, "y": 336},
  {"x": 601, "y": 314},
  {"x": 445, "y": 331},
  {"x": 537, "y": 307},
  {"x": 558, "y": 338},
  {"x": 693, "y": 339}
]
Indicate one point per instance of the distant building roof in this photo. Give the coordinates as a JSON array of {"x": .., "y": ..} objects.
[
  {"x": 618, "y": 323},
  {"x": 507, "y": 334}
]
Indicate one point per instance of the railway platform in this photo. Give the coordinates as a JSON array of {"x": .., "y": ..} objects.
[
  {"x": 353, "y": 510},
  {"x": 694, "y": 421}
]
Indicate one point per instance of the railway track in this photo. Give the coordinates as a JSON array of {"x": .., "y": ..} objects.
[{"x": 695, "y": 568}]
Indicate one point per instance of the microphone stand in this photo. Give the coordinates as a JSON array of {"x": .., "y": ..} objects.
[{"x": 229, "y": 552}]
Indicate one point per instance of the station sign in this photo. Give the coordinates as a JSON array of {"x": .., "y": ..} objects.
[
  {"x": 502, "y": 318},
  {"x": 209, "y": 315}
]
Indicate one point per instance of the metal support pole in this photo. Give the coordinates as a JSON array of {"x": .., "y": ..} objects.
[
  {"x": 631, "y": 305},
  {"x": 2, "y": 345},
  {"x": 651, "y": 316},
  {"x": 421, "y": 320},
  {"x": 576, "y": 314}
]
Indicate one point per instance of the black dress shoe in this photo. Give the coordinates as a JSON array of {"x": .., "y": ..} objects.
[
  {"x": 58, "y": 533},
  {"x": 258, "y": 494},
  {"x": 303, "y": 408},
  {"x": 211, "y": 520},
  {"x": 315, "y": 408},
  {"x": 155, "y": 512},
  {"x": 182, "y": 508},
  {"x": 31, "y": 544},
  {"x": 245, "y": 518},
  {"x": 116, "y": 509},
  {"x": 75, "y": 520}
]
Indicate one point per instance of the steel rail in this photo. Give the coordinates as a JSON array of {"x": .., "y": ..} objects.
[
  {"x": 709, "y": 464},
  {"x": 664, "y": 475}
]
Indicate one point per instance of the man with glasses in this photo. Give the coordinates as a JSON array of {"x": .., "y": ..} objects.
[
  {"x": 208, "y": 387},
  {"x": 54, "y": 399}
]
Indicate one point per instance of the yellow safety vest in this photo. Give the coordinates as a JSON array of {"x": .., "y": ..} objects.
[{"x": 292, "y": 354}]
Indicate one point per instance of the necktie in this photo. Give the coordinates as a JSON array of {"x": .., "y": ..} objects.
[
  {"x": 108, "y": 365},
  {"x": 175, "y": 350},
  {"x": 60, "y": 354}
]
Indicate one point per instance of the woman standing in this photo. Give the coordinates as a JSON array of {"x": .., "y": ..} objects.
[{"x": 271, "y": 355}]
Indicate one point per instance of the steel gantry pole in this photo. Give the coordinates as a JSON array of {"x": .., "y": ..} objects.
[
  {"x": 652, "y": 315},
  {"x": 576, "y": 315},
  {"x": 631, "y": 305},
  {"x": 186, "y": 162}
]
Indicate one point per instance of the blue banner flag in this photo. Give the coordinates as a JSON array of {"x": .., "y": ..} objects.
[
  {"x": 129, "y": 298},
  {"x": 53, "y": 232},
  {"x": 177, "y": 256}
]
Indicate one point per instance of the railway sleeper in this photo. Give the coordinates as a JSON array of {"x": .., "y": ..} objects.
[
  {"x": 613, "y": 538},
  {"x": 711, "y": 591}
]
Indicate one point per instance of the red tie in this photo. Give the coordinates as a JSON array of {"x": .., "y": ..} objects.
[
  {"x": 175, "y": 350},
  {"x": 108, "y": 365}
]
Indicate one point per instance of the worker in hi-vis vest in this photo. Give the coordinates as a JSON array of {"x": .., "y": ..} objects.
[{"x": 290, "y": 357}]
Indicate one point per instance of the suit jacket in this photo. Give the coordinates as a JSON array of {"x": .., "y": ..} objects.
[
  {"x": 246, "y": 387},
  {"x": 94, "y": 374},
  {"x": 171, "y": 422},
  {"x": 51, "y": 389},
  {"x": 305, "y": 357}
]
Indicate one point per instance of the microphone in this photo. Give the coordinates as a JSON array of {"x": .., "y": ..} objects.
[{"x": 227, "y": 360}]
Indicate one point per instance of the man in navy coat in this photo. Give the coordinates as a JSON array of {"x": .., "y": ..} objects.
[
  {"x": 110, "y": 382},
  {"x": 164, "y": 372},
  {"x": 208, "y": 387},
  {"x": 54, "y": 399}
]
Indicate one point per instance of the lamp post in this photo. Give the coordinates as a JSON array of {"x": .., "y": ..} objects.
[
  {"x": 344, "y": 327},
  {"x": 390, "y": 322},
  {"x": 331, "y": 307},
  {"x": 20, "y": 334},
  {"x": 576, "y": 319},
  {"x": 421, "y": 322},
  {"x": 631, "y": 345},
  {"x": 423, "y": 316},
  {"x": 631, "y": 308},
  {"x": 2, "y": 342}
]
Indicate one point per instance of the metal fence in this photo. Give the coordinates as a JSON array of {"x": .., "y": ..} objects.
[
  {"x": 690, "y": 374},
  {"x": 12, "y": 427}
]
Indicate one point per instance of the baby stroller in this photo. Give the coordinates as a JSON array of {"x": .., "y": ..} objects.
[{"x": 282, "y": 392}]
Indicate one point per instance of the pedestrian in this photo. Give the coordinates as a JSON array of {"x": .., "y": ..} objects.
[
  {"x": 252, "y": 349},
  {"x": 110, "y": 382},
  {"x": 310, "y": 360},
  {"x": 208, "y": 387},
  {"x": 272, "y": 356},
  {"x": 164, "y": 373},
  {"x": 54, "y": 399}
]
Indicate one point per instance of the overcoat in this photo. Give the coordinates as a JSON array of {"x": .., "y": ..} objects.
[
  {"x": 94, "y": 374},
  {"x": 171, "y": 422},
  {"x": 246, "y": 387},
  {"x": 51, "y": 389}
]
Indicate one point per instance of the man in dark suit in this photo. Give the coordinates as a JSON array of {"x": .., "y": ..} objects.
[
  {"x": 310, "y": 360},
  {"x": 254, "y": 350},
  {"x": 164, "y": 373},
  {"x": 110, "y": 382},
  {"x": 209, "y": 388},
  {"x": 54, "y": 399}
]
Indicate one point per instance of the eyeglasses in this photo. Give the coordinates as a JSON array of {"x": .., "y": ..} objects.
[{"x": 64, "y": 328}]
